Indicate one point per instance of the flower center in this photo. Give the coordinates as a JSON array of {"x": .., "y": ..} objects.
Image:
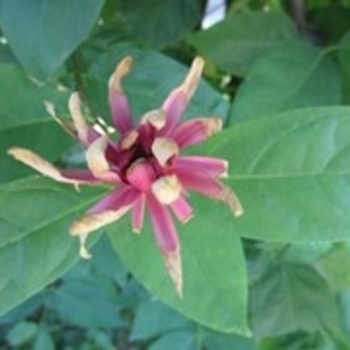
[{"x": 141, "y": 174}]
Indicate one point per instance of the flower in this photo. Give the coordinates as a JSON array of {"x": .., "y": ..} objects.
[{"x": 144, "y": 167}]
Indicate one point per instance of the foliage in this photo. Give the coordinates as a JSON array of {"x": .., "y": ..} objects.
[{"x": 277, "y": 277}]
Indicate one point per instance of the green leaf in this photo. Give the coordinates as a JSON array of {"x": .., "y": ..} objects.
[
  {"x": 336, "y": 266},
  {"x": 43, "y": 340},
  {"x": 35, "y": 247},
  {"x": 213, "y": 264},
  {"x": 25, "y": 123},
  {"x": 39, "y": 34},
  {"x": 236, "y": 42},
  {"x": 291, "y": 173},
  {"x": 163, "y": 22},
  {"x": 216, "y": 341},
  {"x": 290, "y": 76},
  {"x": 295, "y": 297},
  {"x": 22, "y": 333},
  {"x": 82, "y": 302},
  {"x": 151, "y": 79},
  {"x": 154, "y": 318},
  {"x": 184, "y": 340}
]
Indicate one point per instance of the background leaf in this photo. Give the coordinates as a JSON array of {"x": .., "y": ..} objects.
[
  {"x": 38, "y": 33},
  {"x": 236, "y": 42},
  {"x": 24, "y": 121},
  {"x": 35, "y": 247},
  {"x": 290, "y": 76},
  {"x": 295, "y": 297},
  {"x": 174, "y": 18}
]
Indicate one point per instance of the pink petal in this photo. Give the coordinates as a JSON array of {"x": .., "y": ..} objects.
[
  {"x": 138, "y": 213},
  {"x": 182, "y": 209},
  {"x": 163, "y": 225},
  {"x": 121, "y": 197},
  {"x": 177, "y": 101},
  {"x": 213, "y": 166},
  {"x": 166, "y": 236},
  {"x": 118, "y": 101},
  {"x": 196, "y": 131},
  {"x": 204, "y": 183}
]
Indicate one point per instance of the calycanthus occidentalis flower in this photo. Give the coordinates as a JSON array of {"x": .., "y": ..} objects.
[{"x": 144, "y": 167}]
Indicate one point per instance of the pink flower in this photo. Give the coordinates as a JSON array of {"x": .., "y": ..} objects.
[{"x": 144, "y": 167}]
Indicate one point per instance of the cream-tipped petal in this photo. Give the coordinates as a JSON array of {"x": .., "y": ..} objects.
[
  {"x": 167, "y": 189},
  {"x": 230, "y": 198},
  {"x": 163, "y": 149},
  {"x": 129, "y": 140},
  {"x": 39, "y": 164},
  {"x": 81, "y": 126},
  {"x": 213, "y": 125},
  {"x": 91, "y": 222},
  {"x": 83, "y": 251},
  {"x": 173, "y": 264},
  {"x": 156, "y": 117},
  {"x": 193, "y": 77},
  {"x": 95, "y": 156},
  {"x": 122, "y": 69}
]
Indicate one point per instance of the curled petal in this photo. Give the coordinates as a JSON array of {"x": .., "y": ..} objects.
[
  {"x": 205, "y": 184},
  {"x": 80, "y": 124},
  {"x": 119, "y": 104},
  {"x": 156, "y": 118},
  {"x": 182, "y": 209},
  {"x": 216, "y": 167},
  {"x": 97, "y": 162},
  {"x": 177, "y": 101},
  {"x": 44, "y": 167},
  {"x": 163, "y": 149},
  {"x": 167, "y": 189},
  {"x": 167, "y": 239},
  {"x": 196, "y": 130}
]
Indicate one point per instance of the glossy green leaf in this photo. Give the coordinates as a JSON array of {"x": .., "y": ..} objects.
[
  {"x": 163, "y": 22},
  {"x": 236, "y": 42},
  {"x": 295, "y": 297},
  {"x": 151, "y": 79},
  {"x": 35, "y": 246},
  {"x": 43, "y": 33},
  {"x": 291, "y": 173},
  {"x": 24, "y": 121},
  {"x": 214, "y": 268},
  {"x": 290, "y": 76}
]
